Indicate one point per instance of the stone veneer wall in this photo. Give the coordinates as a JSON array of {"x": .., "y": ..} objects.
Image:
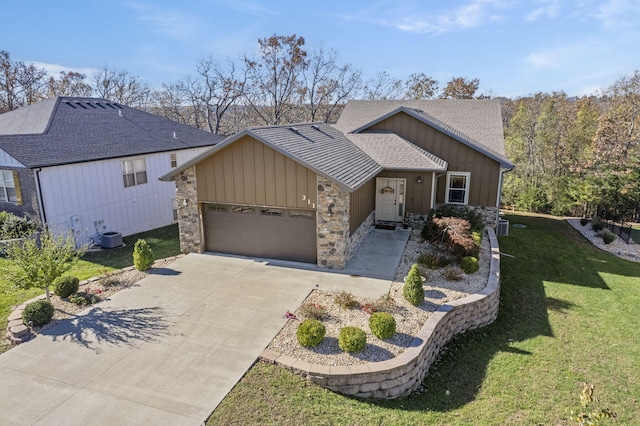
[
  {"x": 189, "y": 221},
  {"x": 400, "y": 376},
  {"x": 356, "y": 238},
  {"x": 489, "y": 216},
  {"x": 332, "y": 224}
]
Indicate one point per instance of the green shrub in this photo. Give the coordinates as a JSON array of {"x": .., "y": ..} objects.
[
  {"x": 312, "y": 311},
  {"x": 413, "y": 290},
  {"x": 345, "y": 300},
  {"x": 310, "y": 332},
  {"x": 142, "y": 255},
  {"x": 352, "y": 339},
  {"x": 477, "y": 238},
  {"x": 597, "y": 225},
  {"x": 65, "y": 286},
  {"x": 433, "y": 260},
  {"x": 452, "y": 273},
  {"x": 83, "y": 299},
  {"x": 382, "y": 325},
  {"x": 13, "y": 226},
  {"x": 469, "y": 264},
  {"x": 37, "y": 313},
  {"x": 607, "y": 236}
]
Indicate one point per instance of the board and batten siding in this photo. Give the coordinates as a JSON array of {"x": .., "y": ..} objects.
[
  {"x": 361, "y": 203},
  {"x": 485, "y": 172},
  {"x": 248, "y": 172},
  {"x": 95, "y": 191}
]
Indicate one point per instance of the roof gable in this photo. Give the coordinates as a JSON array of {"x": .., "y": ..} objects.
[
  {"x": 477, "y": 123},
  {"x": 88, "y": 129}
]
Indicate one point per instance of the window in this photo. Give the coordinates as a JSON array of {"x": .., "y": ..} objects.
[
  {"x": 173, "y": 160},
  {"x": 8, "y": 191},
  {"x": 134, "y": 172},
  {"x": 457, "y": 187}
]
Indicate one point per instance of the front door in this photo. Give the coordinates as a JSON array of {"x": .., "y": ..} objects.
[{"x": 390, "y": 199}]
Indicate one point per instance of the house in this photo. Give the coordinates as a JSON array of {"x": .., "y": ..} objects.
[
  {"x": 92, "y": 165},
  {"x": 310, "y": 192}
]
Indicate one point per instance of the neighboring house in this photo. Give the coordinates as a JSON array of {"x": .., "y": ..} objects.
[
  {"x": 92, "y": 165},
  {"x": 310, "y": 192}
]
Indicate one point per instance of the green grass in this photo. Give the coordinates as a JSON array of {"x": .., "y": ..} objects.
[
  {"x": 163, "y": 241},
  {"x": 568, "y": 315}
]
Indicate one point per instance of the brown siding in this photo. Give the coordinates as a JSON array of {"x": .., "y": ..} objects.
[
  {"x": 251, "y": 173},
  {"x": 484, "y": 171},
  {"x": 361, "y": 204},
  {"x": 417, "y": 195}
]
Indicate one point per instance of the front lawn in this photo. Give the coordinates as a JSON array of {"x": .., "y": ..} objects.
[
  {"x": 568, "y": 315},
  {"x": 163, "y": 241}
]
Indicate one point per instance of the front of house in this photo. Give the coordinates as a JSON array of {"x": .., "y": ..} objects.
[{"x": 310, "y": 192}]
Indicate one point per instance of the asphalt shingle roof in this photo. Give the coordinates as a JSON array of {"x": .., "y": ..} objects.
[
  {"x": 395, "y": 153},
  {"x": 67, "y": 130},
  {"x": 475, "y": 122}
]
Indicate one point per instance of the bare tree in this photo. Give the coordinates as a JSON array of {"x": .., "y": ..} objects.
[
  {"x": 121, "y": 86},
  {"x": 168, "y": 102},
  {"x": 20, "y": 84},
  {"x": 276, "y": 78},
  {"x": 420, "y": 86},
  {"x": 68, "y": 84},
  {"x": 327, "y": 84},
  {"x": 460, "y": 88},
  {"x": 382, "y": 86}
]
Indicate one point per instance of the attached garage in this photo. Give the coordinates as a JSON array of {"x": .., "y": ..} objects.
[{"x": 274, "y": 233}]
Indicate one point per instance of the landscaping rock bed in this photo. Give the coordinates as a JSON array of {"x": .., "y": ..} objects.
[{"x": 409, "y": 318}]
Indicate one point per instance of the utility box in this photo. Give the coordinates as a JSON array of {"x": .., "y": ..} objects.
[
  {"x": 111, "y": 239},
  {"x": 503, "y": 227}
]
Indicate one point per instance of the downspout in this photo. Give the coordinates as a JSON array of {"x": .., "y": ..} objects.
[
  {"x": 434, "y": 187},
  {"x": 499, "y": 197},
  {"x": 43, "y": 214}
]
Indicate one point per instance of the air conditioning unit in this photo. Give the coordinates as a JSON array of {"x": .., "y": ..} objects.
[
  {"x": 503, "y": 227},
  {"x": 111, "y": 239}
]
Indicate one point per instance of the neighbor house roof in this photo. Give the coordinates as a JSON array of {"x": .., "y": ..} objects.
[
  {"x": 318, "y": 146},
  {"x": 474, "y": 122},
  {"x": 67, "y": 130},
  {"x": 395, "y": 153}
]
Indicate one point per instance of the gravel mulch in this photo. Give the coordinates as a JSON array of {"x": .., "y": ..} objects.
[
  {"x": 618, "y": 246},
  {"x": 409, "y": 318}
]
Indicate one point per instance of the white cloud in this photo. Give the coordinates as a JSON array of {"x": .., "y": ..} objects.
[
  {"x": 55, "y": 69},
  {"x": 474, "y": 13},
  {"x": 615, "y": 14},
  {"x": 246, "y": 6},
  {"x": 174, "y": 23},
  {"x": 549, "y": 8}
]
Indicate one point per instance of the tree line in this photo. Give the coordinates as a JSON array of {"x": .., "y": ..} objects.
[
  {"x": 571, "y": 154},
  {"x": 283, "y": 82}
]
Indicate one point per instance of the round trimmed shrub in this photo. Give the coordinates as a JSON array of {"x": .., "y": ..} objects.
[
  {"x": 37, "y": 313},
  {"x": 310, "y": 332},
  {"x": 65, "y": 286},
  {"x": 352, "y": 339},
  {"x": 469, "y": 264},
  {"x": 142, "y": 255},
  {"x": 382, "y": 325},
  {"x": 413, "y": 290}
]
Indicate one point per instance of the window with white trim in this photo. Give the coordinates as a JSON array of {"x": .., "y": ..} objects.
[
  {"x": 457, "y": 188},
  {"x": 173, "y": 160},
  {"x": 8, "y": 187},
  {"x": 134, "y": 172}
]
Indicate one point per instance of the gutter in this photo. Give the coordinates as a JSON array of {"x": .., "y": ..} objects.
[{"x": 43, "y": 214}]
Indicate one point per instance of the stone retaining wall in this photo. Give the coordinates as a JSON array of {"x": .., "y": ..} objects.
[{"x": 400, "y": 376}]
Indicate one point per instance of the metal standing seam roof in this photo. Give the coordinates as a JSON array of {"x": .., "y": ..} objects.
[
  {"x": 475, "y": 122},
  {"x": 68, "y": 130},
  {"x": 396, "y": 153}
]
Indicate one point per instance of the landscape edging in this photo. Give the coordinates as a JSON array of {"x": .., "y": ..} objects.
[{"x": 402, "y": 375}]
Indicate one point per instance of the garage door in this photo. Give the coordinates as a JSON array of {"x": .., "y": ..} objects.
[{"x": 261, "y": 232}]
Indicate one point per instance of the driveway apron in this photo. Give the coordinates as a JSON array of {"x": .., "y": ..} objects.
[{"x": 164, "y": 352}]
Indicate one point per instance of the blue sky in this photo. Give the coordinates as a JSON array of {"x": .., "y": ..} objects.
[{"x": 515, "y": 47}]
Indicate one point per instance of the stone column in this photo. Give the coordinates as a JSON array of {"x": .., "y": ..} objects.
[
  {"x": 189, "y": 222},
  {"x": 332, "y": 224}
]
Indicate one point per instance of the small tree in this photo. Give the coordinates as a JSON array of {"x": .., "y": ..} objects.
[
  {"x": 39, "y": 260},
  {"x": 413, "y": 289}
]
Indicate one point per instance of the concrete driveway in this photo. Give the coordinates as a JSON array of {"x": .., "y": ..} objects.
[{"x": 165, "y": 352}]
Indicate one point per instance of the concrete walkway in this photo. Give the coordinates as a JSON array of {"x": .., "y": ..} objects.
[{"x": 167, "y": 351}]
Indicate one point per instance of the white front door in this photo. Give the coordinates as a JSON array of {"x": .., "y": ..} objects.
[{"x": 390, "y": 199}]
